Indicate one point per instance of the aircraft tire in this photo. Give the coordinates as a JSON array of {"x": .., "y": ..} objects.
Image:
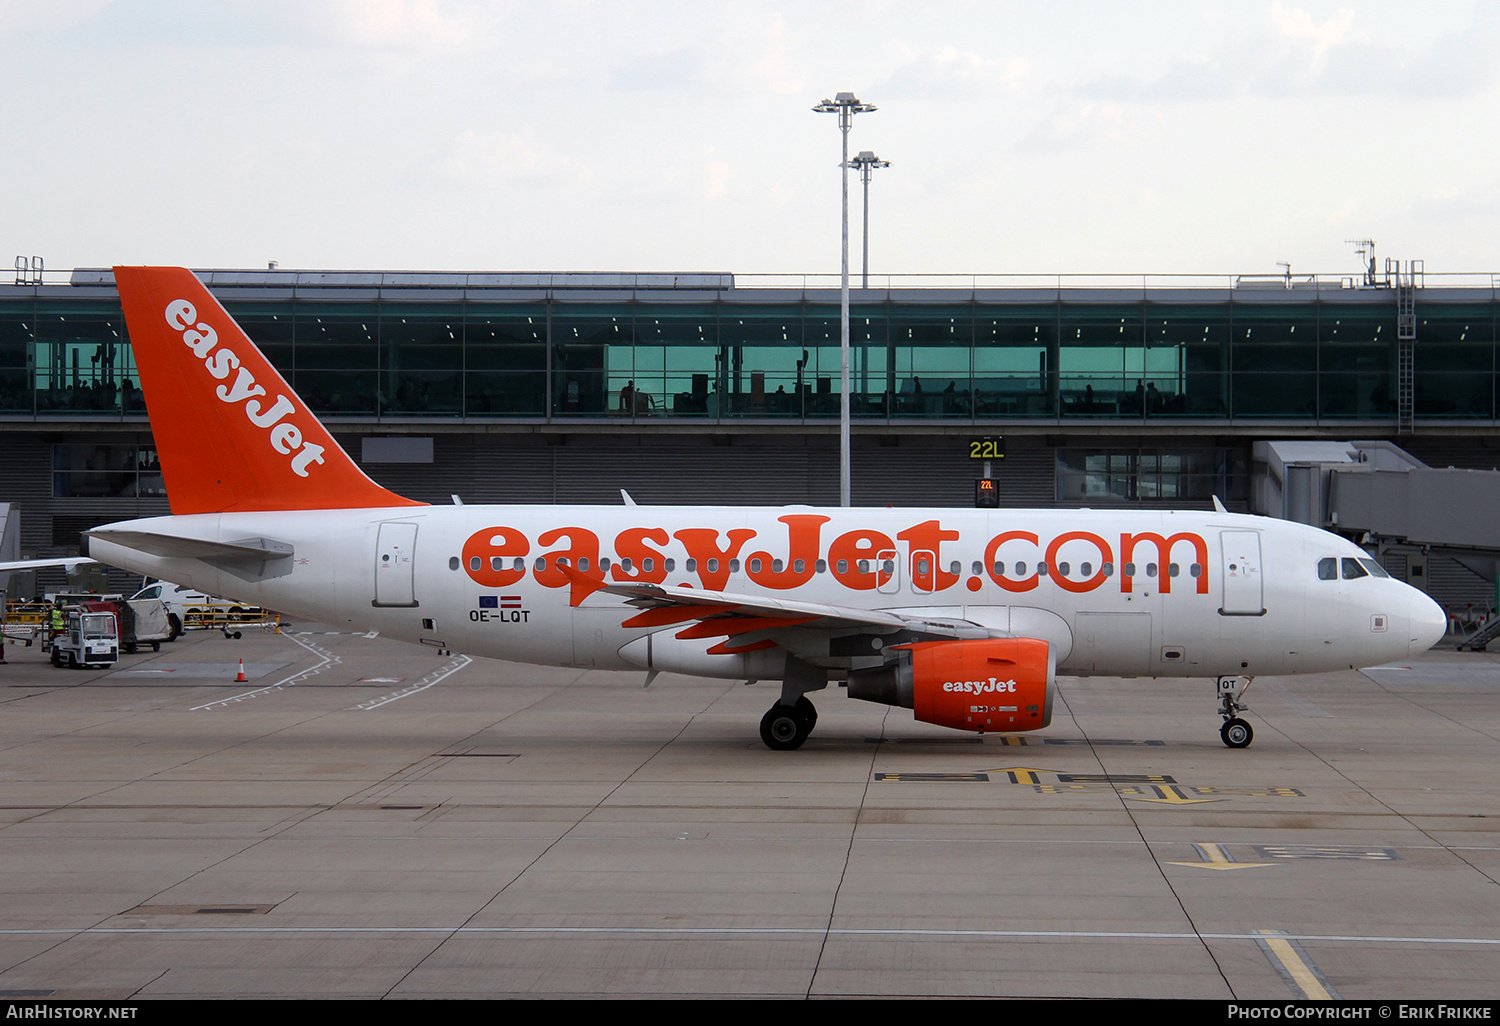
[
  {"x": 808, "y": 712},
  {"x": 783, "y": 729},
  {"x": 1237, "y": 733}
]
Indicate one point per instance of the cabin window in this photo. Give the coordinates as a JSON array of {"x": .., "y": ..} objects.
[
  {"x": 864, "y": 566},
  {"x": 955, "y": 568},
  {"x": 453, "y": 564},
  {"x": 755, "y": 566},
  {"x": 495, "y": 563},
  {"x": 1171, "y": 569},
  {"x": 1328, "y": 569},
  {"x": 692, "y": 566},
  {"x": 1194, "y": 570},
  {"x": 647, "y": 565},
  {"x": 1108, "y": 569},
  {"x": 843, "y": 566},
  {"x": 999, "y": 569},
  {"x": 671, "y": 564},
  {"x": 734, "y": 566},
  {"x": 604, "y": 563},
  {"x": 1129, "y": 569},
  {"x": 1041, "y": 569},
  {"x": 1020, "y": 568},
  {"x": 713, "y": 566},
  {"x": 540, "y": 564},
  {"x": 1086, "y": 569},
  {"x": 821, "y": 566},
  {"x": 583, "y": 563},
  {"x": 776, "y": 566},
  {"x": 1063, "y": 569},
  {"x": 1150, "y": 569},
  {"x": 799, "y": 566},
  {"x": 474, "y": 563}
]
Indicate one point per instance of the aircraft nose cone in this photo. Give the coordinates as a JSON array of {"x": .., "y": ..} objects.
[{"x": 1428, "y": 623}]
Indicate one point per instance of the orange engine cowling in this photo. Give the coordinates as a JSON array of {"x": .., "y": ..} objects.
[{"x": 989, "y": 684}]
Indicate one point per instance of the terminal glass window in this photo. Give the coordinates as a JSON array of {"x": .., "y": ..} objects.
[
  {"x": 1275, "y": 359},
  {"x": 119, "y": 470},
  {"x": 1454, "y": 361},
  {"x": 1149, "y": 475},
  {"x": 421, "y": 359},
  {"x": 17, "y": 337},
  {"x": 1105, "y": 368},
  {"x": 676, "y": 357},
  {"x": 505, "y": 359},
  {"x": 1015, "y": 351},
  {"x": 338, "y": 357},
  {"x": 768, "y": 368},
  {"x": 83, "y": 363},
  {"x": 1189, "y": 346},
  {"x": 933, "y": 351},
  {"x": 1357, "y": 360},
  {"x": 593, "y": 361}
]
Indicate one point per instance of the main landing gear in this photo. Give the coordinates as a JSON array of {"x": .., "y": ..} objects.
[
  {"x": 1236, "y": 732},
  {"x": 784, "y": 727}
]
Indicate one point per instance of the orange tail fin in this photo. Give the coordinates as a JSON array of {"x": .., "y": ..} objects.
[{"x": 230, "y": 432}]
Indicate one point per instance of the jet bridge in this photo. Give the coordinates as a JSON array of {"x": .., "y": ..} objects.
[{"x": 1388, "y": 500}]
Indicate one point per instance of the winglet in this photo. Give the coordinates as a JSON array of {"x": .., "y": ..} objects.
[
  {"x": 230, "y": 433},
  {"x": 1219, "y": 506}
]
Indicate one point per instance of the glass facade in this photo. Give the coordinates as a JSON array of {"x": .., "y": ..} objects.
[{"x": 744, "y": 355}]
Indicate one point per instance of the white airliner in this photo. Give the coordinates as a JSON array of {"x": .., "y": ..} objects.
[{"x": 964, "y": 616}]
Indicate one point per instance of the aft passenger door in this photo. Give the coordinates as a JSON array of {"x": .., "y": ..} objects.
[{"x": 395, "y": 564}]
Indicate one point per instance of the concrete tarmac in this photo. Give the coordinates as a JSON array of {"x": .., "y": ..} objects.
[{"x": 369, "y": 819}]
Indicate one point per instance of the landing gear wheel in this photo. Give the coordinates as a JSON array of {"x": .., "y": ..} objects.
[
  {"x": 808, "y": 712},
  {"x": 783, "y": 728},
  {"x": 1237, "y": 733}
]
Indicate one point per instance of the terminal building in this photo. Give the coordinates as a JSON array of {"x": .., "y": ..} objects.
[{"x": 717, "y": 389}]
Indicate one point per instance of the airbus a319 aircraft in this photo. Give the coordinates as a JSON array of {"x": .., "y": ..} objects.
[{"x": 964, "y": 616}]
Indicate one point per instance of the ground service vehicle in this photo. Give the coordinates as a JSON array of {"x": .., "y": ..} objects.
[
  {"x": 964, "y": 616},
  {"x": 91, "y": 638}
]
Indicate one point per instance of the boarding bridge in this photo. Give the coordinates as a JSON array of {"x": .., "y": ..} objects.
[{"x": 1386, "y": 499}]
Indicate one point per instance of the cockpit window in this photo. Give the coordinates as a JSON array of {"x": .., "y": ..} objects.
[
  {"x": 1374, "y": 568},
  {"x": 1353, "y": 570},
  {"x": 1328, "y": 569}
]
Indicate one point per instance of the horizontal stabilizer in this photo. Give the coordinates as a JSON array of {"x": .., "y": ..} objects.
[
  {"x": 67, "y": 562},
  {"x": 250, "y": 559}
]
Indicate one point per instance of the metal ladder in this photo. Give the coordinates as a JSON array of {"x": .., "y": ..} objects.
[{"x": 1406, "y": 336}]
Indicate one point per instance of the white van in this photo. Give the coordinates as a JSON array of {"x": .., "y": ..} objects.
[
  {"x": 193, "y": 610},
  {"x": 177, "y": 600}
]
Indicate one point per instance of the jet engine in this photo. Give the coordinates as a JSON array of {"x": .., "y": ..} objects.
[{"x": 982, "y": 685}]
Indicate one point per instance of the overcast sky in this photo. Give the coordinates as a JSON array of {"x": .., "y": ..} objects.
[{"x": 1167, "y": 137}]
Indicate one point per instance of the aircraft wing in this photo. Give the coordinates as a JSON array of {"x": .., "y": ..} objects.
[{"x": 750, "y": 622}]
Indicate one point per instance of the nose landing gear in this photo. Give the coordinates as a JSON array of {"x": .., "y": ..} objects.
[{"x": 1236, "y": 732}]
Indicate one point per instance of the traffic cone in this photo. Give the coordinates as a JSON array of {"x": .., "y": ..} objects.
[{"x": 240, "y": 678}]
